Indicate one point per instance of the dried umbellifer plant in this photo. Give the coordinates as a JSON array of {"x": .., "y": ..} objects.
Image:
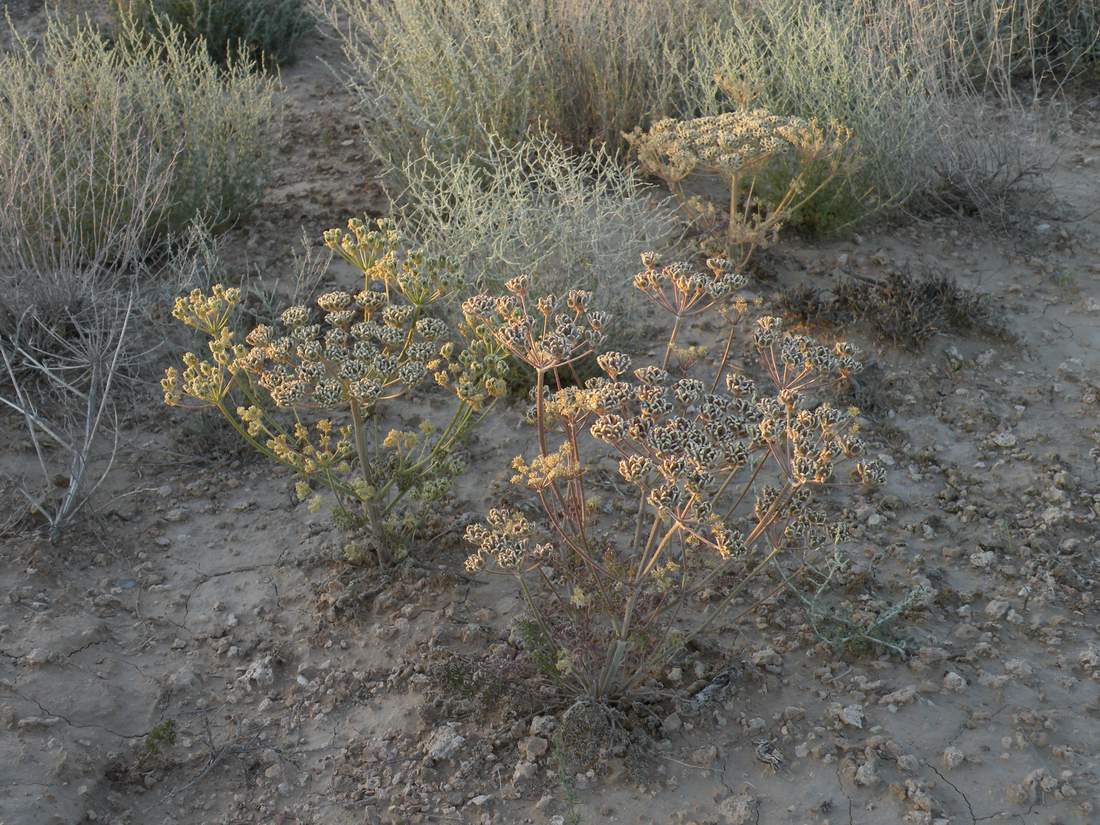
[
  {"x": 772, "y": 165},
  {"x": 722, "y": 473},
  {"x": 311, "y": 392}
]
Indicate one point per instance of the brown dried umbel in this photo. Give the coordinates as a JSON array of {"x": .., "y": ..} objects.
[
  {"x": 719, "y": 472},
  {"x": 766, "y": 160}
]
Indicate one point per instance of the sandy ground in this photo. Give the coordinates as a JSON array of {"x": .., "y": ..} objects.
[{"x": 198, "y": 654}]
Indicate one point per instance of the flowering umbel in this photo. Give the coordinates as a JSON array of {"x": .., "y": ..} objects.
[{"x": 343, "y": 359}]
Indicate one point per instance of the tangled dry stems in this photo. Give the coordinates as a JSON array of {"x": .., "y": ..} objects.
[
  {"x": 263, "y": 32},
  {"x": 724, "y": 479},
  {"x": 107, "y": 144}
]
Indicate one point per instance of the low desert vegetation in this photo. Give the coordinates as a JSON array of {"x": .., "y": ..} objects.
[
  {"x": 472, "y": 384},
  {"x": 721, "y": 471},
  {"x": 370, "y": 348},
  {"x": 112, "y": 149},
  {"x": 902, "y": 77},
  {"x": 539, "y": 208},
  {"x": 110, "y": 143},
  {"x": 264, "y": 32}
]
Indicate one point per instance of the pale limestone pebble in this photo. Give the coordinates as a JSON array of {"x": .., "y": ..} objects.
[
  {"x": 444, "y": 742},
  {"x": 903, "y": 696},
  {"x": 851, "y": 715},
  {"x": 1089, "y": 659},
  {"x": 867, "y": 774},
  {"x": 1019, "y": 668},
  {"x": 259, "y": 674},
  {"x": 954, "y": 683},
  {"x": 997, "y": 609},
  {"x": 953, "y": 758},
  {"x": 739, "y": 809},
  {"x": 542, "y": 726},
  {"x": 534, "y": 747}
]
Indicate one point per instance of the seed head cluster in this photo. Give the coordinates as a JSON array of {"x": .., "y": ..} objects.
[{"x": 732, "y": 143}]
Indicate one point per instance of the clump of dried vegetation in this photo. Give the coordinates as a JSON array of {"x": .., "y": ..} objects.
[
  {"x": 721, "y": 475},
  {"x": 107, "y": 143},
  {"x": 110, "y": 149},
  {"x": 902, "y": 309},
  {"x": 446, "y": 79},
  {"x": 266, "y": 32}
]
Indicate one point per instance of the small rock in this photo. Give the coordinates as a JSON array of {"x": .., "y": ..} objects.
[
  {"x": 954, "y": 683},
  {"x": 852, "y": 716},
  {"x": 900, "y": 697},
  {"x": 867, "y": 774},
  {"x": 443, "y": 743},
  {"x": 982, "y": 559},
  {"x": 524, "y": 770},
  {"x": 542, "y": 726},
  {"x": 952, "y": 758},
  {"x": 997, "y": 609},
  {"x": 1005, "y": 440},
  {"x": 534, "y": 747},
  {"x": 738, "y": 810},
  {"x": 672, "y": 723},
  {"x": 258, "y": 674}
]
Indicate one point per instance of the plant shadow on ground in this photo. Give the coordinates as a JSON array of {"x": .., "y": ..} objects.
[{"x": 903, "y": 309}]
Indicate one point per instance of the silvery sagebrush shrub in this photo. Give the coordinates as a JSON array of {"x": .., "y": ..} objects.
[
  {"x": 123, "y": 142},
  {"x": 447, "y": 75},
  {"x": 723, "y": 474},
  {"x": 564, "y": 218},
  {"x": 766, "y": 162},
  {"x": 312, "y": 391},
  {"x": 267, "y": 32}
]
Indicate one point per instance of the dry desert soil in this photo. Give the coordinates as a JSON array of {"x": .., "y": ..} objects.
[{"x": 198, "y": 652}]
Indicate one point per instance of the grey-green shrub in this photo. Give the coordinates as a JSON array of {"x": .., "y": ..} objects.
[
  {"x": 447, "y": 74},
  {"x": 265, "y": 31},
  {"x": 568, "y": 219},
  {"x": 899, "y": 73},
  {"x": 103, "y": 141}
]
